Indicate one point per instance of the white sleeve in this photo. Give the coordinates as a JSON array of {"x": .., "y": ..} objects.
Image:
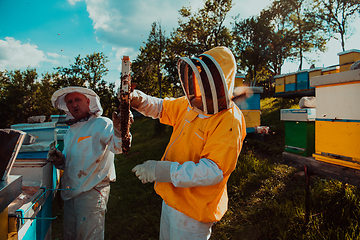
[
  {"x": 145, "y": 104},
  {"x": 189, "y": 174}
]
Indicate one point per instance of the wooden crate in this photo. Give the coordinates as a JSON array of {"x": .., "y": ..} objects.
[
  {"x": 349, "y": 56},
  {"x": 338, "y": 142}
]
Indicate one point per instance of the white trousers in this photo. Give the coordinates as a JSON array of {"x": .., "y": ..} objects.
[
  {"x": 84, "y": 215},
  {"x": 175, "y": 225}
]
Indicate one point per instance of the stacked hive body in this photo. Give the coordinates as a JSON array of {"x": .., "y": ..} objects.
[
  {"x": 299, "y": 130},
  {"x": 302, "y": 80},
  {"x": 279, "y": 83},
  {"x": 347, "y": 58},
  {"x": 337, "y": 126},
  {"x": 314, "y": 72},
  {"x": 251, "y": 107},
  {"x": 290, "y": 82},
  {"x": 330, "y": 70},
  {"x": 30, "y": 214}
]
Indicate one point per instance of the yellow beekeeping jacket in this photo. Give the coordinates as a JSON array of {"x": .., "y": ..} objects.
[{"x": 196, "y": 135}]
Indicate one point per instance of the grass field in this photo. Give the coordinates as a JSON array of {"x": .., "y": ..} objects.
[{"x": 266, "y": 197}]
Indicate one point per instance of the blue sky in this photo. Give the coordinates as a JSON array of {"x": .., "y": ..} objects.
[{"x": 44, "y": 34}]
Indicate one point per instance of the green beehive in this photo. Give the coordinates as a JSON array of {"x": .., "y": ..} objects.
[
  {"x": 299, "y": 130},
  {"x": 300, "y": 138}
]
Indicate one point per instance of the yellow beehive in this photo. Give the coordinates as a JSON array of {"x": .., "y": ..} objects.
[
  {"x": 252, "y": 118},
  {"x": 330, "y": 70},
  {"x": 315, "y": 72},
  {"x": 349, "y": 56},
  {"x": 239, "y": 80},
  {"x": 290, "y": 78},
  {"x": 279, "y": 83},
  {"x": 345, "y": 67},
  {"x": 338, "y": 142}
]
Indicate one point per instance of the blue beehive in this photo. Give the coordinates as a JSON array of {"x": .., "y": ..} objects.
[{"x": 302, "y": 80}]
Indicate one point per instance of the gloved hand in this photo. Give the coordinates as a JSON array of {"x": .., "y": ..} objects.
[
  {"x": 56, "y": 157},
  {"x": 152, "y": 170},
  {"x": 117, "y": 123}
]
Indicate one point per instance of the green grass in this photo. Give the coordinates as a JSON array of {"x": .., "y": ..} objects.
[{"x": 266, "y": 197}]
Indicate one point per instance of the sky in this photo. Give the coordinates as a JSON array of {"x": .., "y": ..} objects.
[{"x": 45, "y": 34}]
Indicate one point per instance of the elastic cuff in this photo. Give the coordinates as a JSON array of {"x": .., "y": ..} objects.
[{"x": 162, "y": 171}]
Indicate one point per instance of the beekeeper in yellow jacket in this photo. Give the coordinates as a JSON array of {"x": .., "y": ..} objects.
[{"x": 208, "y": 132}]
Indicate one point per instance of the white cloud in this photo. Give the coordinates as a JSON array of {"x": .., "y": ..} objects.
[
  {"x": 128, "y": 23},
  {"x": 54, "y": 55},
  {"x": 15, "y": 55},
  {"x": 73, "y": 2},
  {"x": 120, "y": 52}
]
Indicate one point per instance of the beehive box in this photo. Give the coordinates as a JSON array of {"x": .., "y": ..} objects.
[
  {"x": 330, "y": 70},
  {"x": 338, "y": 142},
  {"x": 305, "y": 115},
  {"x": 58, "y": 118},
  {"x": 290, "y": 82},
  {"x": 336, "y": 79},
  {"x": 239, "y": 80},
  {"x": 252, "y": 119},
  {"x": 300, "y": 137},
  {"x": 339, "y": 101},
  {"x": 345, "y": 67},
  {"x": 315, "y": 72},
  {"x": 349, "y": 56},
  {"x": 42, "y": 131},
  {"x": 337, "y": 127},
  {"x": 302, "y": 80},
  {"x": 279, "y": 83},
  {"x": 252, "y": 103},
  {"x": 299, "y": 130}
]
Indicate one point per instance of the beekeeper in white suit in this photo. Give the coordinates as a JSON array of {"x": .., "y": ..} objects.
[
  {"x": 87, "y": 161},
  {"x": 208, "y": 132}
]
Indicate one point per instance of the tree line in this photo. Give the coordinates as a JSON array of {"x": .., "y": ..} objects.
[
  {"x": 23, "y": 94},
  {"x": 286, "y": 30}
]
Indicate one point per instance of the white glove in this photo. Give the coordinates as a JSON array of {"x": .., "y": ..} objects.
[
  {"x": 56, "y": 157},
  {"x": 152, "y": 170}
]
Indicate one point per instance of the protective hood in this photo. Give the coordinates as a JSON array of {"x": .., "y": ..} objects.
[
  {"x": 58, "y": 100},
  {"x": 208, "y": 79}
]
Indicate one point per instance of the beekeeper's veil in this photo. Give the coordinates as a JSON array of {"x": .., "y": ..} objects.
[
  {"x": 208, "y": 80},
  {"x": 58, "y": 100}
]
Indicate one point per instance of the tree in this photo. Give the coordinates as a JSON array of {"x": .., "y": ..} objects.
[
  {"x": 308, "y": 31},
  {"x": 148, "y": 68},
  {"x": 204, "y": 29},
  {"x": 280, "y": 38},
  {"x": 251, "y": 37},
  {"x": 22, "y": 95},
  {"x": 336, "y": 16}
]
